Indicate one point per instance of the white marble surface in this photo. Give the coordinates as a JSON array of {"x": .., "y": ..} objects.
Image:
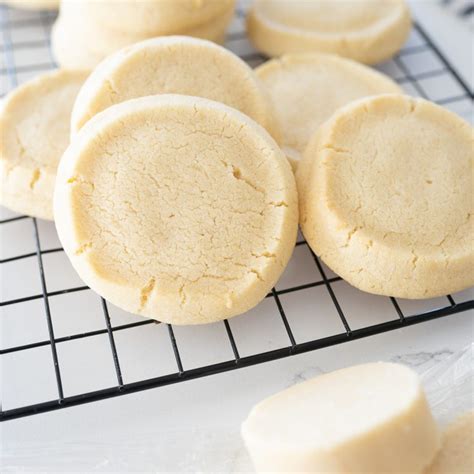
[{"x": 191, "y": 426}]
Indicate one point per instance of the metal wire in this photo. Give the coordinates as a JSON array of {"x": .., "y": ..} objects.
[{"x": 11, "y": 71}]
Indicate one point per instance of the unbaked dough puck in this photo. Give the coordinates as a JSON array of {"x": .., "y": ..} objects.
[
  {"x": 306, "y": 89},
  {"x": 177, "y": 208},
  {"x": 370, "y": 419},
  {"x": 368, "y": 31},
  {"x": 150, "y": 17},
  {"x": 34, "y": 4},
  {"x": 174, "y": 65},
  {"x": 34, "y": 120},
  {"x": 385, "y": 190},
  {"x": 78, "y": 43},
  {"x": 457, "y": 449}
]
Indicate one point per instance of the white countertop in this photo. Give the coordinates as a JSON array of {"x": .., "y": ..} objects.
[{"x": 194, "y": 426}]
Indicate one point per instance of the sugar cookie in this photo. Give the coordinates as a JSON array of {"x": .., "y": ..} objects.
[
  {"x": 177, "y": 208},
  {"x": 385, "y": 189},
  {"x": 34, "y": 120},
  {"x": 150, "y": 17},
  {"x": 370, "y": 419},
  {"x": 368, "y": 31},
  {"x": 173, "y": 64},
  {"x": 34, "y": 4},
  {"x": 457, "y": 450},
  {"x": 77, "y": 43},
  {"x": 306, "y": 89}
]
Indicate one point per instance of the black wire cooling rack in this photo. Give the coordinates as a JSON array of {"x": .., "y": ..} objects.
[{"x": 420, "y": 68}]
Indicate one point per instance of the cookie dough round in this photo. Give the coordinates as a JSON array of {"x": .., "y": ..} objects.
[
  {"x": 368, "y": 31},
  {"x": 34, "y": 120},
  {"x": 173, "y": 65},
  {"x": 177, "y": 208},
  {"x": 34, "y": 4},
  {"x": 307, "y": 88},
  {"x": 80, "y": 44},
  {"x": 385, "y": 192},
  {"x": 457, "y": 450},
  {"x": 151, "y": 17},
  {"x": 364, "y": 419}
]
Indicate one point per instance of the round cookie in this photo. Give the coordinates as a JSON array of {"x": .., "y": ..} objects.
[
  {"x": 34, "y": 4},
  {"x": 151, "y": 17},
  {"x": 366, "y": 419},
  {"x": 177, "y": 208},
  {"x": 174, "y": 65},
  {"x": 34, "y": 120},
  {"x": 81, "y": 44},
  {"x": 367, "y": 31},
  {"x": 307, "y": 88},
  {"x": 385, "y": 196}
]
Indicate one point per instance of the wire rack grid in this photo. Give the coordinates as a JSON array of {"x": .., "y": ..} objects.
[{"x": 310, "y": 308}]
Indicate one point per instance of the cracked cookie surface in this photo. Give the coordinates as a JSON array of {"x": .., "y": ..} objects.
[
  {"x": 174, "y": 65},
  {"x": 385, "y": 191},
  {"x": 177, "y": 208},
  {"x": 34, "y": 119},
  {"x": 324, "y": 83}
]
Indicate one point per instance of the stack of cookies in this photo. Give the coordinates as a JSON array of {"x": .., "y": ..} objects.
[{"x": 86, "y": 32}]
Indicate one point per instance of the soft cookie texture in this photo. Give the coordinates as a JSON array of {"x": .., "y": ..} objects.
[
  {"x": 151, "y": 17},
  {"x": 177, "y": 208},
  {"x": 177, "y": 65},
  {"x": 385, "y": 190},
  {"x": 306, "y": 89},
  {"x": 34, "y": 120},
  {"x": 370, "y": 419},
  {"x": 457, "y": 450},
  {"x": 79, "y": 43},
  {"x": 368, "y": 31}
]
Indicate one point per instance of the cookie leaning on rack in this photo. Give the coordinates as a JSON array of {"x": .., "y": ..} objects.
[
  {"x": 177, "y": 208},
  {"x": 385, "y": 191},
  {"x": 307, "y": 88},
  {"x": 174, "y": 65},
  {"x": 34, "y": 119}
]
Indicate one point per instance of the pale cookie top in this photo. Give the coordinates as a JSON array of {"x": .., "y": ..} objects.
[
  {"x": 34, "y": 119},
  {"x": 331, "y": 17},
  {"x": 306, "y": 89},
  {"x": 178, "y": 208},
  {"x": 386, "y": 196},
  {"x": 332, "y": 409},
  {"x": 368, "y": 31},
  {"x": 78, "y": 43},
  {"x": 150, "y": 17},
  {"x": 175, "y": 64}
]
